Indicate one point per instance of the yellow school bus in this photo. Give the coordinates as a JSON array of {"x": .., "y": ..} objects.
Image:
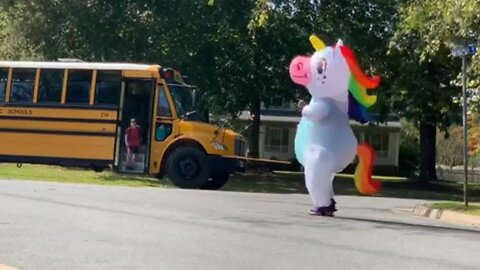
[{"x": 73, "y": 113}]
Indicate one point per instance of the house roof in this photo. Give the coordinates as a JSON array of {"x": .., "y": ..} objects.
[{"x": 290, "y": 116}]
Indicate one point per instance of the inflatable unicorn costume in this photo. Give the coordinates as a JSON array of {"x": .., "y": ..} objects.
[{"x": 325, "y": 143}]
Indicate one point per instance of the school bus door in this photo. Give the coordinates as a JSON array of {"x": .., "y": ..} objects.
[{"x": 163, "y": 128}]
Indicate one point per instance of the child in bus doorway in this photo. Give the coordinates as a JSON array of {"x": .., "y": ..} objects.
[{"x": 132, "y": 141}]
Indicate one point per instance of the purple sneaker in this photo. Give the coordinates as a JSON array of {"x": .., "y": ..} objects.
[
  {"x": 321, "y": 211},
  {"x": 332, "y": 207}
]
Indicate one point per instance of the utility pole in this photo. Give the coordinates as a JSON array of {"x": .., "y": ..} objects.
[{"x": 463, "y": 51}]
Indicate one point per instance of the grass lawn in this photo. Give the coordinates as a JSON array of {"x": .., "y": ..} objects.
[
  {"x": 472, "y": 209},
  {"x": 70, "y": 175},
  {"x": 280, "y": 182},
  {"x": 391, "y": 187}
]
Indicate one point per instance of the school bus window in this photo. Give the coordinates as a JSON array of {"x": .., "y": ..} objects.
[
  {"x": 163, "y": 106},
  {"x": 23, "y": 82},
  {"x": 51, "y": 82},
  {"x": 78, "y": 86},
  {"x": 3, "y": 83},
  {"x": 107, "y": 87}
]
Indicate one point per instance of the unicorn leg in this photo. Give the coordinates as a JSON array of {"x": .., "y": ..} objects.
[{"x": 318, "y": 175}]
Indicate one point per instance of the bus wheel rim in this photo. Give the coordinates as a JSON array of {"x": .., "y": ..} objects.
[{"x": 188, "y": 167}]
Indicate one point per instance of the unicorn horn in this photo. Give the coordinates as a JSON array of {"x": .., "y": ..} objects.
[{"x": 317, "y": 43}]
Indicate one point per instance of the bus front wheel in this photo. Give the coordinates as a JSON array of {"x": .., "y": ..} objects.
[
  {"x": 217, "y": 182},
  {"x": 187, "y": 167}
]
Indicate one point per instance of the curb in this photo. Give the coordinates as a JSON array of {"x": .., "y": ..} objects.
[{"x": 446, "y": 215}]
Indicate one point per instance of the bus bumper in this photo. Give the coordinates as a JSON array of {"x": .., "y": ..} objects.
[{"x": 224, "y": 165}]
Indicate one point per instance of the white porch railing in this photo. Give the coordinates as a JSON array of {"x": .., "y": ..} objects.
[
  {"x": 276, "y": 148},
  {"x": 382, "y": 154}
]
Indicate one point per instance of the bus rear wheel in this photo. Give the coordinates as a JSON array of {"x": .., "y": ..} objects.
[
  {"x": 187, "y": 168},
  {"x": 217, "y": 182}
]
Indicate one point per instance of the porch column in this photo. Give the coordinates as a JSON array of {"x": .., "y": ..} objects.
[{"x": 261, "y": 138}]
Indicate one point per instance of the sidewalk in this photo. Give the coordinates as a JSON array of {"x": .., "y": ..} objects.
[
  {"x": 6, "y": 267},
  {"x": 446, "y": 215}
]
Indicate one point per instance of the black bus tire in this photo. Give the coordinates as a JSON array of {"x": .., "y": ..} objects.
[
  {"x": 187, "y": 168},
  {"x": 217, "y": 182}
]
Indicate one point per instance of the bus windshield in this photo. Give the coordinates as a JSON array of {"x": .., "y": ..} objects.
[{"x": 187, "y": 102}]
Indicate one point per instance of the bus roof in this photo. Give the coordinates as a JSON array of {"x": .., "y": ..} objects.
[{"x": 76, "y": 65}]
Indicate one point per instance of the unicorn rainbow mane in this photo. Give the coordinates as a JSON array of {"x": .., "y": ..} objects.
[{"x": 359, "y": 99}]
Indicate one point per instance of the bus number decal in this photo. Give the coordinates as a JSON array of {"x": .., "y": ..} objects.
[{"x": 104, "y": 115}]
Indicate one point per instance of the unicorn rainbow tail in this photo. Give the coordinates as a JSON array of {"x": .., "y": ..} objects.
[{"x": 363, "y": 173}]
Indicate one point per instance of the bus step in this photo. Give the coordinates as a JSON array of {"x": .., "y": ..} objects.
[
  {"x": 138, "y": 158},
  {"x": 134, "y": 167}
]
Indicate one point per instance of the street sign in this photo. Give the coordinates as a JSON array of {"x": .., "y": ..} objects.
[
  {"x": 459, "y": 51},
  {"x": 463, "y": 51},
  {"x": 472, "y": 48}
]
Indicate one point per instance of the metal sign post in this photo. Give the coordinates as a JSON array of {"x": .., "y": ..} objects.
[{"x": 463, "y": 51}]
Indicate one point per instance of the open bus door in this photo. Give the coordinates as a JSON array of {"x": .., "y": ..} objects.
[{"x": 136, "y": 103}]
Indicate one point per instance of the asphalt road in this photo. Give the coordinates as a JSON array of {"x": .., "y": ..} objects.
[{"x": 64, "y": 226}]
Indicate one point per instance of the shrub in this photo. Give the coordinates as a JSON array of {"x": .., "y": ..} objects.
[{"x": 450, "y": 147}]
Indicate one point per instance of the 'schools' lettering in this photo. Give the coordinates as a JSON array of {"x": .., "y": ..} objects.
[{"x": 20, "y": 111}]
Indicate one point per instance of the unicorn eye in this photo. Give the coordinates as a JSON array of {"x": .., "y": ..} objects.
[{"x": 321, "y": 66}]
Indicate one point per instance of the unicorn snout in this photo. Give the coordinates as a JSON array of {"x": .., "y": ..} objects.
[{"x": 300, "y": 70}]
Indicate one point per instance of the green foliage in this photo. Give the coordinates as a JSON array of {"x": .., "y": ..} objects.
[
  {"x": 238, "y": 52},
  {"x": 14, "y": 45},
  {"x": 450, "y": 147},
  {"x": 435, "y": 27}
]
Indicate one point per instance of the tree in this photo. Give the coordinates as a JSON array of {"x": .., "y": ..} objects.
[
  {"x": 280, "y": 30},
  {"x": 238, "y": 52},
  {"x": 425, "y": 87}
]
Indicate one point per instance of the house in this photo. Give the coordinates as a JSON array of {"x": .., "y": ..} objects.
[{"x": 278, "y": 125}]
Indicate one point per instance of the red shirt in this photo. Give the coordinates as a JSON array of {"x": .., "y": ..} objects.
[{"x": 133, "y": 136}]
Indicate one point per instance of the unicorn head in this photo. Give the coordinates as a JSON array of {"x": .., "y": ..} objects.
[{"x": 333, "y": 72}]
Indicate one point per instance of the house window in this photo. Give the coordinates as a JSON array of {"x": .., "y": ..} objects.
[
  {"x": 279, "y": 103},
  {"x": 277, "y": 140}
]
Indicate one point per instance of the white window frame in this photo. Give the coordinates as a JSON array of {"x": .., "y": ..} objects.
[{"x": 273, "y": 148}]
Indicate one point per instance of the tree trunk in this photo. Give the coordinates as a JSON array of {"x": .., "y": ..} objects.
[
  {"x": 255, "y": 129},
  {"x": 428, "y": 135}
]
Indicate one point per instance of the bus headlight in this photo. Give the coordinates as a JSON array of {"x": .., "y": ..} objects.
[{"x": 219, "y": 146}]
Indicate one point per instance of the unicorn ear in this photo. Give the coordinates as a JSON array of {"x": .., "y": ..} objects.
[
  {"x": 339, "y": 42},
  {"x": 317, "y": 43}
]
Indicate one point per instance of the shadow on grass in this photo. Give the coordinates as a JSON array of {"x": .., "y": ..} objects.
[
  {"x": 294, "y": 184},
  {"x": 140, "y": 180}
]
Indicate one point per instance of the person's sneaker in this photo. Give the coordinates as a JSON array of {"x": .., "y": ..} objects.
[
  {"x": 321, "y": 211},
  {"x": 332, "y": 206}
]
